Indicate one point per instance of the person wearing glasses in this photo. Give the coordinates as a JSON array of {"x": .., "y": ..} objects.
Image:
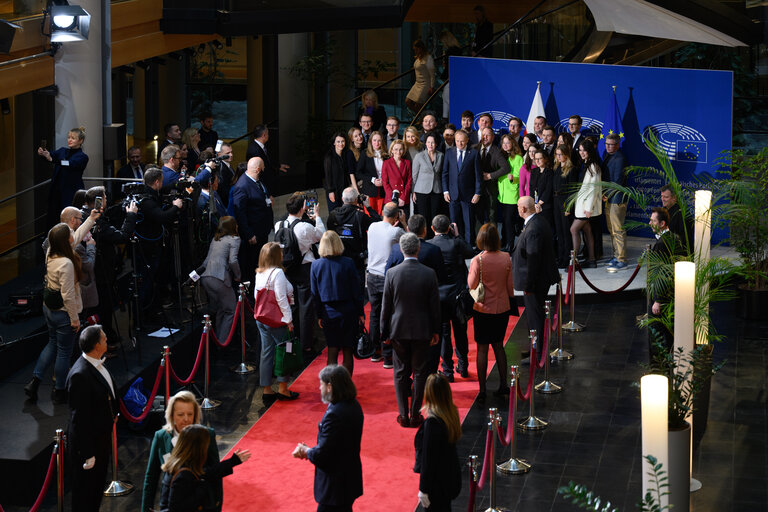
[{"x": 616, "y": 205}]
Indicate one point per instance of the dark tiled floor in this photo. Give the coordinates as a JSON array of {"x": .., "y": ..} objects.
[{"x": 594, "y": 433}]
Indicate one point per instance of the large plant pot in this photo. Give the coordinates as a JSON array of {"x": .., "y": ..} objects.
[
  {"x": 753, "y": 304},
  {"x": 679, "y": 470}
]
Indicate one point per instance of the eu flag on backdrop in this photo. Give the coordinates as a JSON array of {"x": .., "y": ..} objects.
[{"x": 612, "y": 123}]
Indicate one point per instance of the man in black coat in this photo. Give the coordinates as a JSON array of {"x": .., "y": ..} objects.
[
  {"x": 410, "y": 320},
  {"x": 679, "y": 224},
  {"x": 429, "y": 255},
  {"x": 533, "y": 263},
  {"x": 258, "y": 148},
  {"x": 493, "y": 164},
  {"x": 462, "y": 184},
  {"x": 92, "y": 413},
  {"x": 455, "y": 253},
  {"x": 336, "y": 456},
  {"x": 134, "y": 169}
]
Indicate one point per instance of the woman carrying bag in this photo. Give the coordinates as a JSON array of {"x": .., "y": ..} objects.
[{"x": 272, "y": 311}]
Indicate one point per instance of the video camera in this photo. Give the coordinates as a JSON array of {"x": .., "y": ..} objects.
[
  {"x": 134, "y": 192},
  {"x": 183, "y": 189}
]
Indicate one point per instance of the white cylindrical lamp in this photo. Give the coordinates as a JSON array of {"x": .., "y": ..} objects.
[{"x": 653, "y": 397}]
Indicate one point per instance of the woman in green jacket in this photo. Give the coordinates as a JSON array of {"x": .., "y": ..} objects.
[{"x": 509, "y": 193}]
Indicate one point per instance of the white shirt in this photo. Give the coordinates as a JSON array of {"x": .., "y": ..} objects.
[
  {"x": 527, "y": 219},
  {"x": 377, "y": 162},
  {"x": 306, "y": 234},
  {"x": 460, "y": 156},
  {"x": 381, "y": 237},
  {"x": 99, "y": 365}
]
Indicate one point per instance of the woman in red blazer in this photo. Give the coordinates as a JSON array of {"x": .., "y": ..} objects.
[{"x": 396, "y": 175}]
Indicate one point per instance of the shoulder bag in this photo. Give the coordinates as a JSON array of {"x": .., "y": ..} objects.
[
  {"x": 478, "y": 293},
  {"x": 265, "y": 308}
]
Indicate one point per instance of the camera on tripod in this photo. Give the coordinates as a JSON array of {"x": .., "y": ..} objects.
[
  {"x": 183, "y": 189},
  {"x": 134, "y": 192}
]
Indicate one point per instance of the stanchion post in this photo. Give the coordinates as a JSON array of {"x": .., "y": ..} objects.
[
  {"x": 207, "y": 403},
  {"x": 59, "y": 470},
  {"x": 493, "y": 422},
  {"x": 472, "y": 468},
  {"x": 167, "y": 363},
  {"x": 116, "y": 487},
  {"x": 513, "y": 466},
  {"x": 547, "y": 386},
  {"x": 559, "y": 354},
  {"x": 532, "y": 422},
  {"x": 243, "y": 368},
  {"x": 572, "y": 326}
]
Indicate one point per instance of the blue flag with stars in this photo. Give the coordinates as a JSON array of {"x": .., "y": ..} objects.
[{"x": 612, "y": 123}]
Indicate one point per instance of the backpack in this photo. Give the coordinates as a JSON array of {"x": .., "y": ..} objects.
[{"x": 292, "y": 256}]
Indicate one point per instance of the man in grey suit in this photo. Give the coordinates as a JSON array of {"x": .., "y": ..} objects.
[
  {"x": 410, "y": 321},
  {"x": 533, "y": 263}
]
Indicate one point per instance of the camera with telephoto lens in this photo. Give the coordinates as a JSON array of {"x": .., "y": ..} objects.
[
  {"x": 361, "y": 199},
  {"x": 133, "y": 192}
]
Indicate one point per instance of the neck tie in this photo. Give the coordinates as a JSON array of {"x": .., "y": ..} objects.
[{"x": 461, "y": 158}]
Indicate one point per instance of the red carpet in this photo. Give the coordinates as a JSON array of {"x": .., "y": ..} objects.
[{"x": 274, "y": 480}]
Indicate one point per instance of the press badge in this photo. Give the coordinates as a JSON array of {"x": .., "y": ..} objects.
[{"x": 65, "y": 163}]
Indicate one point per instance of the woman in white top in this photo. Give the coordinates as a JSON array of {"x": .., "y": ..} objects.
[
  {"x": 588, "y": 200},
  {"x": 270, "y": 274},
  {"x": 369, "y": 171},
  {"x": 424, "y": 82},
  {"x": 63, "y": 273}
]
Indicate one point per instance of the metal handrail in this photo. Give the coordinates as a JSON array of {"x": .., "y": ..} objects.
[{"x": 17, "y": 194}]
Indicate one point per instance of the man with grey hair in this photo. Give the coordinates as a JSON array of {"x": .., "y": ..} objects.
[{"x": 410, "y": 321}]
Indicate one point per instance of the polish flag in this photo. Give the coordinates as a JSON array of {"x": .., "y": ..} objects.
[{"x": 537, "y": 109}]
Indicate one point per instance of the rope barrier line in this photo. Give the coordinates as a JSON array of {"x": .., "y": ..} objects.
[
  {"x": 544, "y": 347},
  {"x": 248, "y": 305},
  {"x": 531, "y": 376},
  {"x": 231, "y": 330},
  {"x": 46, "y": 484},
  {"x": 507, "y": 439},
  {"x": 617, "y": 290},
  {"x": 474, "y": 486},
  {"x": 148, "y": 405},
  {"x": 188, "y": 380},
  {"x": 568, "y": 284}
]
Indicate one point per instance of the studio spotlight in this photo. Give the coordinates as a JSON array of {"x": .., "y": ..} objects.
[{"x": 68, "y": 22}]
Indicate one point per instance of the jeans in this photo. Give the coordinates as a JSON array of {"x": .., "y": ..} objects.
[
  {"x": 270, "y": 337},
  {"x": 61, "y": 337}
]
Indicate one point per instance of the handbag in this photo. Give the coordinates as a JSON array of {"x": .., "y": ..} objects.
[
  {"x": 365, "y": 347},
  {"x": 478, "y": 293},
  {"x": 52, "y": 299},
  {"x": 265, "y": 307},
  {"x": 288, "y": 358},
  {"x": 464, "y": 306}
]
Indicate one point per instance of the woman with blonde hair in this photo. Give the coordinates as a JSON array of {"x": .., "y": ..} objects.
[
  {"x": 69, "y": 163},
  {"x": 370, "y": 106},
  {"x": 424, "y": 80},
  {"x": 338, "y": 297},
  {"x": 436, "y": 457},
  {"x": 413, "y": 145},
  {"x": 396, "y": 175},
  {"x": 187, "y": 483},
  {"x": 369, "y": 171},
  {"x": 62, "y": 305},
  {"x": 191, "y": 138},
  {"x": 355, "y": 149},
  {"x": 271, "y": 276}
]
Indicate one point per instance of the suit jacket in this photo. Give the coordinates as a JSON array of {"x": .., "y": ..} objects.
[
  {"x": 270, "y": 174},
  {"x": 336, "y": 173},
  {"x": 682, "y": 227},
  {"x": 410, "y": 308},
  {"x": 437, "y": 460},
  {"x": 394, "y": 178},
  {"x": 614, "y": 165},
  {"x": 92, "y": 410},
  {"x": 222, "y": 259},
  {"x": 667, "y": 245},
  {"x": 545, "y": 188},
  {"x": 455, "y": 251},
  {"x": 533, "y": 260},
  {"x": 426, "y": 174},
  {"x": 429, "y": 255},
  {"x": 462, "y": 183},
  {"x": 125, "y": 171},
  {"x": 495, "y": 162},
  {"x": 336, "y": 456},
  {"x": 249, "y": 207},
  {"x": 226, "y": 178},
  {"x": 335, "y": 287},
  {"x": 366, "y": 170}
]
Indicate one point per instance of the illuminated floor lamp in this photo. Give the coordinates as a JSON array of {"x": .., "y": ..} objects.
[{"x": 653, "y": 401}]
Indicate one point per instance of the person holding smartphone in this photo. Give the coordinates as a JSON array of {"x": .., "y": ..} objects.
[{"x": 69, "y": 163}]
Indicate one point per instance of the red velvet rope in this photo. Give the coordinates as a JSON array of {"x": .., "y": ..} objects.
[
  {"x": 617, "y": 290},
  {"x": 555, "y": 323},
  {"x": 529, "y": 389},
  {"x": 231, "y": 330},
  {"x": 474, "y": 486},
  {"x": 46, "y": 483},
  {"x": 148, "y": 406},
  {"x": 568, "y": 284},
  {"x": 544, "y": 346},
  {"x": 248, "y": 304},
  {"x": 199, "y": 358},
  {"x": 505, "y": 440}
]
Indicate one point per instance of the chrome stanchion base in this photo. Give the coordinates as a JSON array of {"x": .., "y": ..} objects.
[
  {"x": 243, "y": 368},
  {"x": 497, "y": 509},
  {"x": 573, "y": 327},
  {"x": 548, "y": 387},
  {"x": 560, "y": 355},
  {"x": 695, "y": 485},
  {"x": 514, "y": 467},
  {"x": 118, "y": 488},
  {"x": 533, "y": 423},
  {"x": 208, "y": 404}
]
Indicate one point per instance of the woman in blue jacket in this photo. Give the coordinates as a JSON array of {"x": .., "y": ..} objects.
[
  {"x": 338, "y": 298},
  {"x": 68, "y": 165}
]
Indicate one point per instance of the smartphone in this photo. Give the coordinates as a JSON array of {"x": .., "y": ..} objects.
[
  {"x": 44, "y": 143},
  {"x": 98, "y": 202},
  {"x": 218, "y": 145}
]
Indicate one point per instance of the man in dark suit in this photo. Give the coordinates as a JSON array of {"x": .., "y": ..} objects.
[
  {"x": 172, "y": 136},
  {"x": 574, "y": 128},
  {"x": 515, "y": 127},
  {"x": 679, "y": 224},
  {"x": 429, "y": 254},
  {"x": 455, "y": 251},
  {"x": 467, "y": 120},
  {"x": 258, "y": 148},
  {"x": 252, "y": 208},
  {"x": 429, "y": 127},
  {"x": 226, "y": 173},
  {"x": 134, "y": 169},
  {"x": 549, "y": 141},
  {"x": 410, "y": 321},
  {"x": 208, "y": 136},
  {"x": 533, "y": 263},
  {"x": 462, "y": 184},
  {"x": 92, "y": 412},
  {"x": 493, "y": 165},
  {"x": 336, "y": 456}
]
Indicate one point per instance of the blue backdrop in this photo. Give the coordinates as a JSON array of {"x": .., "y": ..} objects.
[{"x": 690, "y": 111}]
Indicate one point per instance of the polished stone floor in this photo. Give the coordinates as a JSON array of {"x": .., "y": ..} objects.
[{"x": 594, "y": 432}]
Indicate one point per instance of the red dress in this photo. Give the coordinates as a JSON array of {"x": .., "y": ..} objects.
[{"x": 397, "y": 178}]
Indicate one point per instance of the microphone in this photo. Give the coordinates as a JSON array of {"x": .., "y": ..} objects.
[
  {"x": 194, "y": 276},
  {"x": 395, "y": 195}
]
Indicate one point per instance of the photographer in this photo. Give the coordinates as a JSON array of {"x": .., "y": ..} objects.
[
  {"x": 171, "y": 158},
  {"x": 149, "y": 230},
  {"x": 351, "y": 221}
]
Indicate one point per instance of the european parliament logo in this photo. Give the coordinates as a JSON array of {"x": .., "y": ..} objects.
[
  {"x": 679, "y": 142},
  {"x": 500, "y": 119},
  {"x": 589, "y": 126}
]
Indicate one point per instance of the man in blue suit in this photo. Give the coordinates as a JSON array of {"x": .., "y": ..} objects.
[
  {"x": 171, "y": 158},
  {"x": 252, "y": 208},
  {"x": 461, "y": 184}
]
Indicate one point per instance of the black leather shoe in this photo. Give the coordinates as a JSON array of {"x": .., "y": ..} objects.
[
  {"x": 31, "y": 389},
  {"x": 448, "y": 376},
  {"x": 403, "y": 421},
  {"x": 417, "y": 421},
  {"x": 481, "y": 397},
  {"x": 59, "y": 396},
  {"x": 292, "y": 395},
  {"x": 464, "y": 373},
  {"x": 269, "y": 398}
]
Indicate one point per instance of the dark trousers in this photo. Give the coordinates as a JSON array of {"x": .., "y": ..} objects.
[
  {"x": 563, "y": 241},
  {"x": 512, "y": 224},
  {"x": 88, "y": 485},
  {"x": 460, "y": 338},
  {"x": 461, "y": 214},
  {"x": 148, "y": 257},
  {"x": 304, "y": 307},
  {"x": 221, "y": 300},
  {"x": 534, "y": 310},
  {"x": 411, "y": 357},
  {"x": 334, "y": 508},
  {"x": 429, "y": 206},
  {"x": 248, "y": 258},
  {"x": 375, "y": 295},
  {"x": 486, "y": 209}
]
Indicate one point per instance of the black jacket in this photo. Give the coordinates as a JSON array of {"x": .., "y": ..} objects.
[
  {"x": 352, "y": 224},
  {"x": 533, "y": 260},
  {"x": 455, "y": 252},
  {"x": 437, "y": 460},
  {"x": 187, "y": 493},
  {"x": 336, "y": 173},
  {"x": 366, "y": 169},
  {"x": 152, "y": 217}
]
